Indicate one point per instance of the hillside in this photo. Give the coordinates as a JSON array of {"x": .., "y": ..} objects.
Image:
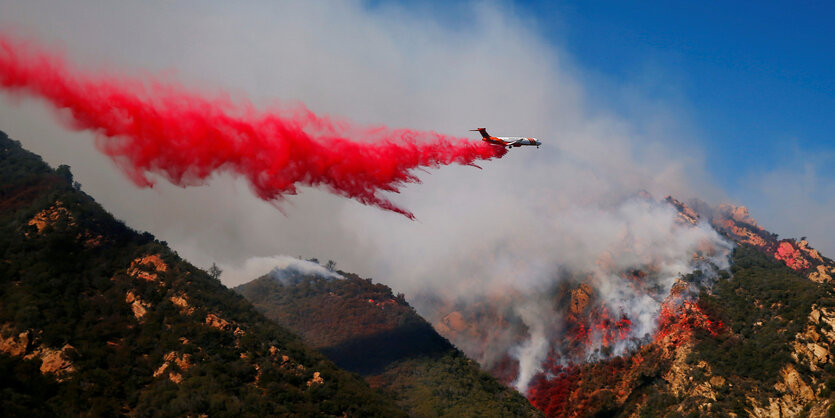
[
  {"x": 748, "y": 332},
  {"x": 758, "y": 343},
  {"x": 364, "y": 328},
  {"x": 753, "y": 340},
  {"x": 97, "y": 319}
]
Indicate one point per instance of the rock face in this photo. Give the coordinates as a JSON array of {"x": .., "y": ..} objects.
[
  {"x": 147, "y": 268},
  {"x": 56, "y": 361},
  {"x": 580, "y": 298},
  {"x": 173, "y": 364},
  {"x": 738, "y": 225},
  {"x": 215, "y": 321},
  {"x": 15, "y": 345},
  {"x": 738, "y": 214},
  {"x": 792, "y": 256},
  {"x": 796, "y": 395},
  {"x": 50, "y": 216},
  {"x": 315, "y": 380},
  {"x": 822, "y": 274},
  {"x": 813, "y": 347},
  {"x": 685, "y": 213},
  {"x": 26, "y": 345},
  {"x": 137, "y": 305}
]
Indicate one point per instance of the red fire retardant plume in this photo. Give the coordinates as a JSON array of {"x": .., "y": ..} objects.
[{"x": 148, "y": 126}]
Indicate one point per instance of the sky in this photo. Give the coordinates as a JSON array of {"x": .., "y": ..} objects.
[
  {"x": 728, "y": 104},
  {"x": 756, "y": 78},
  {"x": 755, "y": 81}
]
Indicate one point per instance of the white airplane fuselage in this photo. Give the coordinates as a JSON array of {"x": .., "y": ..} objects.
[{"x": 507, "y": 141}]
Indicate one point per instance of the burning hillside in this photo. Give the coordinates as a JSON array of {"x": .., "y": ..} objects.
[
  {"x": 574, "y": 315},
  {"x": 636, "y": 337}
]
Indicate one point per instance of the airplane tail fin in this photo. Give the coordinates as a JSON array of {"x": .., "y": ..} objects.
[{"x": 483, "y": 132}]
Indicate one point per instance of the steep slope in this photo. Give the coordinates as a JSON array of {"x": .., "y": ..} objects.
[
  {"x": 753, "y": 337},
  {"x": 735, "y": 223},
  {"x": 97, "y": 319},
  {"x": 757, "y": 344},
  {"x": 755, "y": 341},
  {"x": 364, "y": 328}
]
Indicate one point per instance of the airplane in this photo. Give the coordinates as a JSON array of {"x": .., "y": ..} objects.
[{"x": 507, "y": 141}]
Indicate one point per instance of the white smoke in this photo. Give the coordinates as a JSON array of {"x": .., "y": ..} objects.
[
  {"x": 584, "y": 242},
  {"x": 283, "y": 268},
  {"x": 532, "y": 352}
]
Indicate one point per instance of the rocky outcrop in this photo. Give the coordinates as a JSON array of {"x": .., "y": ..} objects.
[
  {"x": 813, "y": 346},
  {"x": 50, "y": 216},
  {"x": 147, "y": 268},
  {"x": 794, "y": 385},
  {"x": 285, "y": 362},
  {"x": 738, "y": 214},
  {"x": 796, "y": 394},
  {"x": 822, "y": 274},
  {"x": 315, "y": 380},
  {"x": 174, "y": 363},
  {"x": 137, "y": 305},
  {"x": 580, "y": 298},
  {"x": 685, "y": 213},
  {"x": 679, "y": 375},
  {"x": 54, "y": 361},
  {"x": 812, "y": 253},
  {"x": 15, "y": 346},
  {"x": 791, "y": 255},
  {"x": 737, "y": 224},
  {"x": 180, "y": 300},
  {"x": 58, "y": 214},
  {"x": 810, "y": 349},
  {"x": 215, "y": 321}
]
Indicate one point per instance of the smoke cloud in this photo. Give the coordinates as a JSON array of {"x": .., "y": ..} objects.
[
  {"x": 154, "y": 127},
  {"x": 521, "y": 292},
  {"x": 282, "y": 268}
]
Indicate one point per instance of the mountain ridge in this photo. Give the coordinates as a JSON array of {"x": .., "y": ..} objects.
[
  {"x": 98, "y": 319},
  {"x": 363, "y": 327},
  {"x": 755, "y": 340}
]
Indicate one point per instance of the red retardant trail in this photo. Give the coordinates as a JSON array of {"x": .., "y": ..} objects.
[{"x": 147, "y": 126}]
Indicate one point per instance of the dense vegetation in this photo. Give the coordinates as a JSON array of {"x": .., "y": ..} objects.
[
  {"x": 173, "y": 341},
  {"x": 68, "y": 283},
  {"x": 364, "y": 328},
  {"x": 765, "y": 304}
]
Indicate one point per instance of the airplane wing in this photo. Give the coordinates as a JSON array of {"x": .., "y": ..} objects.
[{"x": 513, "y": 143}]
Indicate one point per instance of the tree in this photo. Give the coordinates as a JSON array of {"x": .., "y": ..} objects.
[
  {"x": 215, "y": 271},
  {"x": 63, "y": 170},
  {"x": 331, "y": 265}
]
